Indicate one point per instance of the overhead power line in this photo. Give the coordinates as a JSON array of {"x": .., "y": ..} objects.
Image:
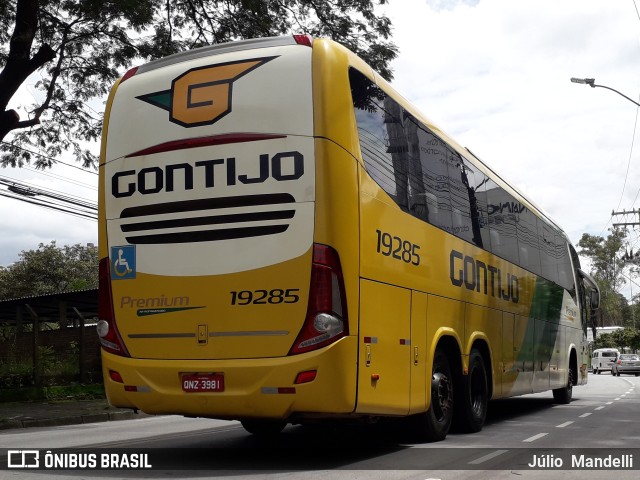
[
  {"x": 626, "y": 176},
  {"x": 54, "y": 160},
  {"x": 57, "y": 176},
  {"x": 34, "y": 189},
  {"x": 50, "y": 206},
  {"x": 49, "y": 199}
]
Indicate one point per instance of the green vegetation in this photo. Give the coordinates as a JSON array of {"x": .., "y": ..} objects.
[
  {"x": 623, "y": 339},
  {"x": 17, "y": 372},
  {"x": 607, "y": 269},
  {"x": 53, "y": 393},
  {"x": 50, "y": 269},
  {"x": 57, "y": 369}
]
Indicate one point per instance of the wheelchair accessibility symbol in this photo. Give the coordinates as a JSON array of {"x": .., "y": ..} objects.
[{"x": 123, "y": 262}]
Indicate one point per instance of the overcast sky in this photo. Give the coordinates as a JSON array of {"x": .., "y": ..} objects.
[{"x": 495, "y": 75}]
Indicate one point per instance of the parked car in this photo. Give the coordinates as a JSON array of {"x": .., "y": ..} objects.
[
  {"x": 603, "y": 359},
  {"x": 626, "y": 363}
]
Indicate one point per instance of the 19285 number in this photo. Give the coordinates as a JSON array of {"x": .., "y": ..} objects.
[
  {"x": 395, "y": 247},
  {"x": 264, "y": 297}
]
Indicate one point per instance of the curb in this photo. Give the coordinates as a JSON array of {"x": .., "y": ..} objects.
[{"x": 73, "y": 420}]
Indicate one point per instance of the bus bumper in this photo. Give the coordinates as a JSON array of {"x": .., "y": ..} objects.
[{"x": 253, "y": 388}]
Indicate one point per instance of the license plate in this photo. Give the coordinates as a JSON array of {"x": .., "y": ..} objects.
[{"x": 202, "y": 382}]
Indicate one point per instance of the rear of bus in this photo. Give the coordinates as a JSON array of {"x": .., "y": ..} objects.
[{"x": 223, "y": 280}]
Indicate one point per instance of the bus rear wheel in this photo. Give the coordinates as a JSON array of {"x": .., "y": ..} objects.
[
  {"x": 473, "y": 396},
  {"x": 264, "y": 428},
  {"x": 434, "y": 424}
]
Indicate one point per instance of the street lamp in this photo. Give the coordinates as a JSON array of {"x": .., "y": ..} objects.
[{"x": 592, "y": 84}]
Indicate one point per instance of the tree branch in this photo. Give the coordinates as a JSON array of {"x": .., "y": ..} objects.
[
  {"x": 19, "y": 66},
  {"x": 54, "y": 76}
]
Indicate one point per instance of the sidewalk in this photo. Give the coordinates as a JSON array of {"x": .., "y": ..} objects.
[{"x": 51, "y": 414}]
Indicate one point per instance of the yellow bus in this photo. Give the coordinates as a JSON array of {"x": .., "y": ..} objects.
[{"x": 285, "y": 239}]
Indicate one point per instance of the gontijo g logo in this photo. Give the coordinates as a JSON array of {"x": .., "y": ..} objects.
[{"x": 202, "y": 96}]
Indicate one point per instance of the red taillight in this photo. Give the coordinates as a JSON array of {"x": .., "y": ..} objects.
[
  {"x": 306, "y": 40},
  {"x": 326, "y": 320},
  {"x": 107, "y": 331},
  {"x": 130, "y": 73},
  {"x": 305, "y": 377},
  {"x": 115, "y": 376}
]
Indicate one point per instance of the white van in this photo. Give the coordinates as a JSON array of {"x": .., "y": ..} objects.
[{"x": 603, "y": 359}]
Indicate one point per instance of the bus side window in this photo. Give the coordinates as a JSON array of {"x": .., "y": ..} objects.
[
  {"x": 479, "y": 188},
  {"x": 374, "y": 138},
  {"x": 585, "y": 304},
  {"x": 565, "y": 270},
  {"x": 393, "y": 146},
  {"x": 502, "y": 221},
  {"x": 548, "y": 252},
  {"x": 527, "y": 226},
  {"x": 432, "y": 157},
  {"x": 464, "y": 204}
]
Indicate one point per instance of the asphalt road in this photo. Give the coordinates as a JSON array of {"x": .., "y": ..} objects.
[{"x": 601, "y": 421}]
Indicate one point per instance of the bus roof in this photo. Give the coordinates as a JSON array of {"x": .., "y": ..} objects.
[{"x": 216, "y": 49}]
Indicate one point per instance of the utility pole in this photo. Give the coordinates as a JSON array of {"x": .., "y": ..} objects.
[
  {"x": 630, "y": 219},
  {"x": 628, "y": 216}
]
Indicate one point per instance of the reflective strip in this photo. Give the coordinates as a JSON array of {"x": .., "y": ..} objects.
[
  {"x": 255, "y": 333},
  {"x": 278, "y": 390},
  {"x": 161, "y": 335}
]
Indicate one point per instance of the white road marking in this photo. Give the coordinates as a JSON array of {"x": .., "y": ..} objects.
[
  {"x": 562, "y": 425},
  {"x": 535, "y": 437},
  {"x": 487, "y": 457}
]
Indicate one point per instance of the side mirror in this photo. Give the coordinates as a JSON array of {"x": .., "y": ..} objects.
[
  {"x": 595, "y": 299},
  {"x": 592, "y": 287}
]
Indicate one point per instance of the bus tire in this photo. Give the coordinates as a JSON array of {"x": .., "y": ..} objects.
[
  {"x": 264, "y": 428},
  {"x": 434, "y": 424},
  {"x": 472, "y": 400},
  {"x": 565, "y": 394}
]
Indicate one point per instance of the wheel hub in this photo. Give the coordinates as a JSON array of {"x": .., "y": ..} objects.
[{"x": 441, "y": 395}]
